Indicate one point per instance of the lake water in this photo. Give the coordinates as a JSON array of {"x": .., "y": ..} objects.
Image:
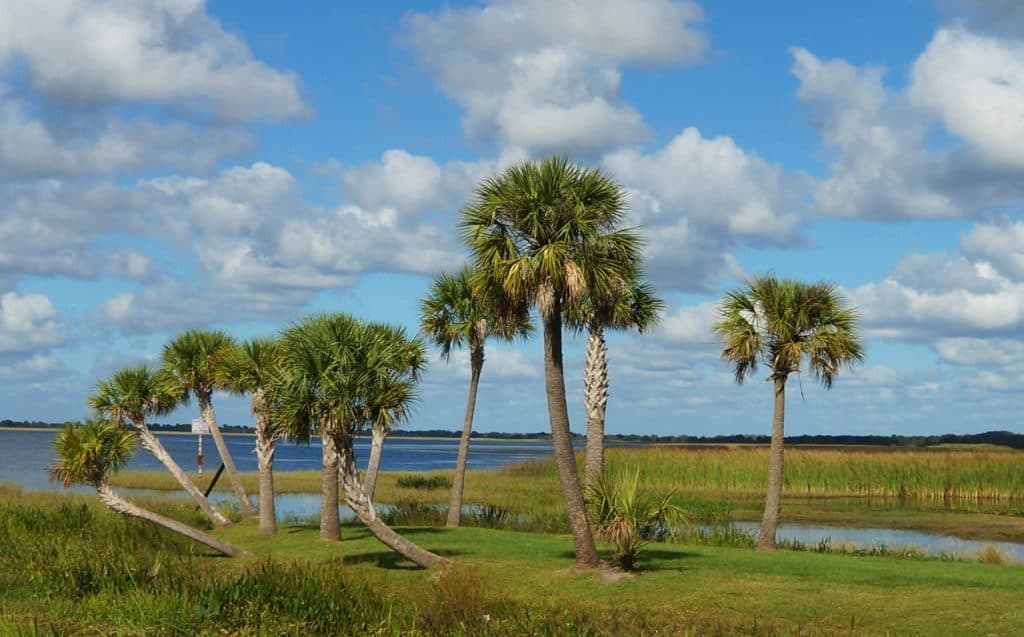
[
  {"x": 812, "y": 535},
  {"x": 25, "y": 456}
]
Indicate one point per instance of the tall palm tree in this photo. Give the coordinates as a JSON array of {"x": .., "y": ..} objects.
[
  {"x": 456, "y": 313},
  {"x": 128, "y": 397},
  {"x": 249, "y": 369},
  {"x": 387, "y": 404},
  {"x": 632, "y": 304},
  {"x": 545, "y": 233},
  {"x": 332, "y": 368},
  {"x": 191, "y": 359},
  {"x": 780, "y": 323},
  {"x": 87, "y": 453},
  {"x": 311, "y": 396}
]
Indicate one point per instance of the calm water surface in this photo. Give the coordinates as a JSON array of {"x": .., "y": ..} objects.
[
  {"x": 26, "y": 455},
  {"x": 812, "y": 535}
]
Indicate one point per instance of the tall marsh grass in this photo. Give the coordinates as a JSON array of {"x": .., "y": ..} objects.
[
  {"x": 836, "y": 472},
  {"x": 727, "y": 470}
]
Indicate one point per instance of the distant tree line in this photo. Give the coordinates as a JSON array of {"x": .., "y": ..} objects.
[{"x": 1003, "y": 438}]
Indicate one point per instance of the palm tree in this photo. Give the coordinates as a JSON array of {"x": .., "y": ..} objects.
[
  {"x": 191, "y": 359},
  {"x": 456, "y": 313},
  {"x": 87, "y": 453},
  {"x": 632, "y": 304},
  {"x": 387, "y": 403},
  {"x": 779, "y": 323},
  {"x": 128, "y": 397},
  {"x": 547, "y": 233},
  {"x": 249, "y": 368},
  {"x": 332, "y": 367},
  {"x": 310, "y": 394}
]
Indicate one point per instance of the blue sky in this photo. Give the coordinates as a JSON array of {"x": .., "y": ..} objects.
[{"x": 168, "y": 164}]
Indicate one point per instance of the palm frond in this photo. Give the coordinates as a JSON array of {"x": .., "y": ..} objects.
[{"x": 782, "y": 322}]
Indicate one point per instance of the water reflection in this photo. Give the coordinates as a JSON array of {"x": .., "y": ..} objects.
[{"x": 930, "y": 543}]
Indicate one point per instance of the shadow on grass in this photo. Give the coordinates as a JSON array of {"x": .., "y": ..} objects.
[
  {"x": 655, "y": 560},
  {"x": 651, "y": 560},
  {"x": 420, "y": 530},
  {"x": 390, "y": 560}
]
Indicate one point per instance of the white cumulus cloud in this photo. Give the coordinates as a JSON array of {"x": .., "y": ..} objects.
[{"x": 544, "y": 75}]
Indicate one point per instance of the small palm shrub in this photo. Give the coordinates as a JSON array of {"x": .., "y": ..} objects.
[{"x": 629, "y": 518}]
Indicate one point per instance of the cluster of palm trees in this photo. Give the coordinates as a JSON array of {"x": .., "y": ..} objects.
[
  {"x": 545, "y": 235},
  {"x": 329, "y": 375}
]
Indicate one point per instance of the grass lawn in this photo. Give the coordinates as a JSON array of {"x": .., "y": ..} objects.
[
  {"x": 709, "y": 588},
  {"x": 70, "y": 567}
]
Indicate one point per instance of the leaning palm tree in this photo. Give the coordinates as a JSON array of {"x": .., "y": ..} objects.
[
  {"x": 87, "y": 453},
  {"x": 779, "y": 323},
  {"x": 632, "y": 303},
  {"x": 249, "y": 368},
  {"x": 545, "y": 233},
  {"x": 385, "y": 405},
  {"x": 128, "y": 397},
  {"x": 191, "y": 359},
  {"x": 456, "y": 313},
  {"x": 332, "y": 368}
]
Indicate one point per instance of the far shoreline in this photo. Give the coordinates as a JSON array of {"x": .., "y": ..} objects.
[{"x": 403, "y": 436}]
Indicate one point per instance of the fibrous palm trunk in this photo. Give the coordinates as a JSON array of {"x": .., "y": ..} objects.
[
  {"x": 152, "y": 444},
  {"x": 476, "y": 363},
  {"x": 565, "y": 460},
  {"x": 265, "y": 462},
  {"x": 357, "y": 499},
  {"x": 377, "y": 437},
  {"x": 206, "y": 409},
  {"x": 330, "y": 520},
  {"x": 126, "y": 507},
  {"x": 770, "y": 521},
  {"x": 595, "y": 397}
]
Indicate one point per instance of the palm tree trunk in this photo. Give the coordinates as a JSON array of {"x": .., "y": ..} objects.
[
  {"x": 126, "y": 507},
  {"x": 265, "y": 461},
  {"x": 206, "y": 409},
  {"x": 565, "y": 459},
  {"x": 330, "y": 521},
  {"x": 152, "y": 444},
  {"x": 476, "y": 363},
  {"x": 373, "y": 464},
  {"x": 595, "y": 398},
  {"x": 766, "y": 540},
  {"x": 357, "y": 499}
]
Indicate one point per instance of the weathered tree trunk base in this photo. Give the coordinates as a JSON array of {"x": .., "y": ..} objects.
[
  {"x": 476, "y": 361},
  {"x": 126, "y": 507},
  {"x": 357, "y": 499},
  {"x": 152, "y": 444},
  {"x": 206, "y": 409},
  {"x": 373, "y": 465},
  {"x": 265, "y": 460},
  {"x": 770, "y": 521},
  {"x": 595, "y": 398}
]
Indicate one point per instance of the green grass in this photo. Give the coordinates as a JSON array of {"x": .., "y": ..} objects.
[{"x": 69, "y": 567}]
